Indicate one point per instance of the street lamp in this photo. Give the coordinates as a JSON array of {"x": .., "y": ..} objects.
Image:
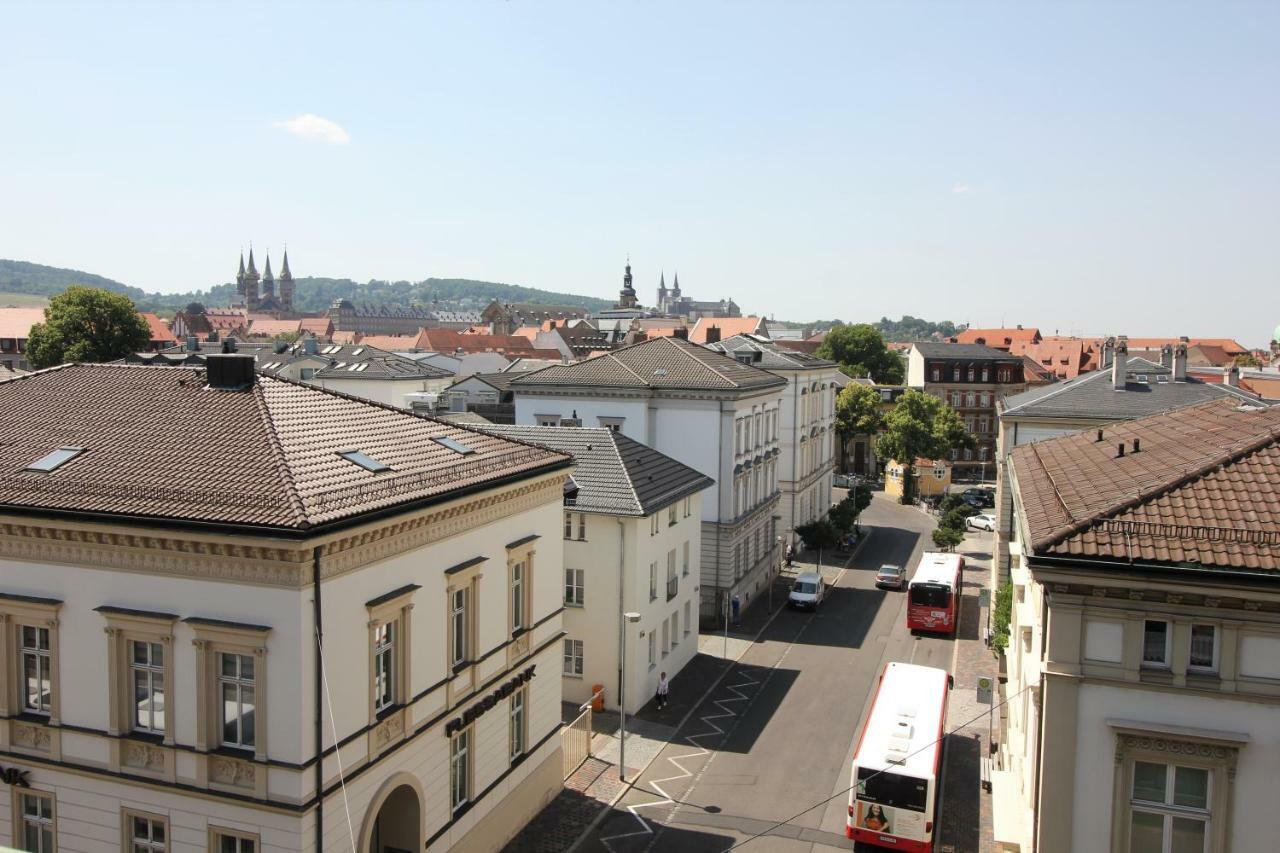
[
  {"x": 631, "y": 618},
  {"x": 778, "y": 562}
]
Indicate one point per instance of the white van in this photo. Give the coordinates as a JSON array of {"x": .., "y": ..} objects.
[{"x": 807, "y": 591}]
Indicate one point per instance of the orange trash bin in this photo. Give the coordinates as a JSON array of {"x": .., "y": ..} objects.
[{"x": 597, "y": 697}]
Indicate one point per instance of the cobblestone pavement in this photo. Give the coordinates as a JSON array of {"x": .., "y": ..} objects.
[
  {"x": 966, "y": 823},
  {"x": 588, "y": 790}
]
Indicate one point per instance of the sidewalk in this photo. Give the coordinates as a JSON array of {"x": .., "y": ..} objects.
[
  {"x": 595, "y": 785},
  {"x": 966, "y": 822}
]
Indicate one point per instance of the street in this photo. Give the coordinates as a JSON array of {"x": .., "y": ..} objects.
[{"x": 772, "y": 743}]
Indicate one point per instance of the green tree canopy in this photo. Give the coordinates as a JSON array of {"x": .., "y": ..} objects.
[
  {"x": 818, "y": 535},
  {"x": 858, "y": 411},
  {"x": 921, "y": 425},
  {"x": 947, "y": 538},
  {"x": 861, "y": 351},
  {"x": 87, "y": 324}
]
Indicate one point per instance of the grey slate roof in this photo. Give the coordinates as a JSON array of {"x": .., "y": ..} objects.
[
  {"x": 331, "y": 361},
  {"x": 770, "y": 356},
  {"x": 615, "y": 474},
  {"x": 1092, "y": 395},
  {"x": 931, "y": 349},
  {"x": 656, "y": 364}
]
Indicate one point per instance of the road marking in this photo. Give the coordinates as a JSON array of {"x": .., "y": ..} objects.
[{"x": 714, "y": 729}]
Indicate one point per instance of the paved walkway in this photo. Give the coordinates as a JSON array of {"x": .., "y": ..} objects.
[
  {"x": 595, "y": 785},
  {"x": 966, "y": 823}
]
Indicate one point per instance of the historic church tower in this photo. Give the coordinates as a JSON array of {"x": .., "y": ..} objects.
[
  {"x": 284, "y": 287},
  {"x": 266, "y": 291},
  {"x": 626, "y": 296}
]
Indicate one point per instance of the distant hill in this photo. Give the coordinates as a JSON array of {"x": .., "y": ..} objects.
[{"x": 310, "y": 294}]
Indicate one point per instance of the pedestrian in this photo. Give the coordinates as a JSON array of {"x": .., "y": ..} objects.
[
  {"x": 664, "y": 688},
  {"x": 790, "y": 551}
]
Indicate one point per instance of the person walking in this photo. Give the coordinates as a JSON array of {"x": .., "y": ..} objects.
[{"x": 664, "y": 688}]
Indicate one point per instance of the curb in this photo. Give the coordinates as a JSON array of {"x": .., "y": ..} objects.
[{"x": 591, "y": 827}]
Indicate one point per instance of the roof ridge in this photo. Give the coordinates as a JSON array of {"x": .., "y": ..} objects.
[
  {"x": 277, "y": 450},
  {"x": 1226, "y": 457},
  {"x": 708, "y": 368},
  {"x": 626, "y": 472}
]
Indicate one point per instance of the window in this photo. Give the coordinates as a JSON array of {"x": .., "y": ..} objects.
[
  {"x": 568, "y": 525},
  {"x": 547, "y": 420},
  {"x": 970, "y": 400},
  {"x": 37, "y": 668},
  {"x": 145, "y": 833},
  {"x": 573, "y": 657},
  {"x": 687, "y": 620},
  {"x": 986, "y": 374},
  {"x": 653, "y": 524},
  {"x": 937, "y": 375},
  {"x": 968, "y": 454},
  {"x": 688, "y": 504},
  {"x": 675, "y": 629},
  {"x": 1169, "y": 809},
  {"x": 671, "y": 515},
  {"x": 1155, "y": 644},
  {"x": 384, "y": 666},
  {"x": 460, "y": 769},
  {"x": 364, "y": 460},
  {"x": 582, "y": 527},
  {"x": 982, "y": 455},
  {"x": 308, "y": 373},
  {"x": 146, "y": 675},
  {"x": 971, "y": 373},
  {"x": 673, "y": 581},
  {"x": 36, "y": 815},
  {"x": 519, "y": 596},
  {"x": 458, "y": 619},
  {"x": 516, "y": 728},
  {"x": 684, "y": 557},
  {"x": 55, "y": 460},
  {"x": 666, "y": 637},
  {"x": 612, "y": 424},
  {"x": 453, "y": 444},
  {"x": 574, "y": 587},
  {"x": 236, "y": 687},
  {"x": 653, "y": 581},
  {"x": 653, "y": 650},
  {"x": 1204, "y": 648}
]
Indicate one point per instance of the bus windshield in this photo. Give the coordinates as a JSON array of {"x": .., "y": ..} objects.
[
  {"x": 930, "y": 595},
  {"x": 892, "y": 789}
]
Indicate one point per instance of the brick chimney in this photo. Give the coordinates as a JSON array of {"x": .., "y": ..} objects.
[
  {"x": 1178, "y": 361},
  {"x": 1231, "y": 376},
  {"x": 681, "y": 332},
  {"x": 713, "y": 334},
  {"x": 1120, "y": 365},
  {"x": 1166, "y": 356},
  {"x": 1108, "y": 352}
]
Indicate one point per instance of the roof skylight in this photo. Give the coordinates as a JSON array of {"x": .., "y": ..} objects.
[
  {"x": 55, "y": 460},
  {"x": 456, "y": 446},
  {"x": 364, "y": 460}
]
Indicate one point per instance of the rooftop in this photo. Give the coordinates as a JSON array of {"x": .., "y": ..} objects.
[
  {"x": 766, "y": 355},
  {"x": 998, "y": 337},
  {"x": 615, "y": 474},
  {"x": 330, "y": 361},
  {"x": 1149, "y": 389},
  {"x": 728, "y": 326},
  {"x": 160, "y": 444},
  {"x": 1202, "y": 490},
  {"x": 931, "y": 349},
  {"x": 657, "y": 364}
]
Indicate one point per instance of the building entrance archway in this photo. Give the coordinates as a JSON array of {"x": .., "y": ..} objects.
[{"x": 396, "y": 824}]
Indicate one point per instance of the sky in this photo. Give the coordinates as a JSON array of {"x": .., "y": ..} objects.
[{"x": 1102, "y": 168}]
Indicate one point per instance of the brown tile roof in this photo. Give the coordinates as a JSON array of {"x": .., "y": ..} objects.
[
  {"x": 1203, "y": 490},
  {"x": 658, "y": 363},
  {"x": 998, "y": 338},
  {"x": 160, "y": 444},
  {"x": 729, "y": 326},
  {"x": 270, "y": 328},
  {"x": 159, "y": 328}
]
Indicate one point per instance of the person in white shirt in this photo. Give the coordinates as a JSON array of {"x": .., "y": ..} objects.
[{"x": 664, "y": 687}]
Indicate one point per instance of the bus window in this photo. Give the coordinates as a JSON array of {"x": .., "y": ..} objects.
[
  {"x": 930, "y": 595},
  {"x": 892, "y": 789}
]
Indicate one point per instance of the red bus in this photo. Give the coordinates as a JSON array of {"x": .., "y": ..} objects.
[
  {"x": 933, "y": 596},
  {"x": 893, "y": 796}
]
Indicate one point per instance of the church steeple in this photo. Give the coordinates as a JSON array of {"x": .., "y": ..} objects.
[
  {"x": 284, "y": 269},
  {"x": 627, "y": 296},
  {"x": 266, "y": 274},
  {"x": 251, "y": 283},
  {"x": 675, "y": 287},
  {"x": 253, "y": 271},
  {"x": 285, "y": 287}
]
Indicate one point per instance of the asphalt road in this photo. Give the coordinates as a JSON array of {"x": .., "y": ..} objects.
[{"x": 774, "y": 740}]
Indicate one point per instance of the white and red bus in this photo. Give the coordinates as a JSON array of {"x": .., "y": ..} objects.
[
  {"x": 933, "y": 595},
  {"x": 893, "y": 796}
]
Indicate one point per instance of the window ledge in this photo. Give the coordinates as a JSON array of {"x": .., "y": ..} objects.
[
  {"x": 388, "y": 711},
  {"x": 573, "y": 675},
  {"x": 577, "y": 604},
  {"x": 461, "y": 666}
]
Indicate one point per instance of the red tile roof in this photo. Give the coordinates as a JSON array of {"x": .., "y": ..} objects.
[
  {"x": 1227, "y": 344},
  {"x": 159, "y": 443},
  {"x": 1204, "y": 490},
  {"x": 271, "y": 328},
  {"x": 729, "y": 326},
  {"x": 998, "y": 338},
  {"x": 159, "y": 329},
  {"x": 17, "y": 322},
  {"x": 1064, "y": 358}
]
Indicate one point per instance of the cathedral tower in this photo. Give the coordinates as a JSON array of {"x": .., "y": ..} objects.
[
  {"x": 626, "y": 296},
  {"x": 285, "y": 286}
]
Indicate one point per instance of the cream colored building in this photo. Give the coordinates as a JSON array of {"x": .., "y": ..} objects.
[
  {"x": 242, "y": 614},
  {"x": 632, "y": 537},
  {"x": 1144, "y": 651}
]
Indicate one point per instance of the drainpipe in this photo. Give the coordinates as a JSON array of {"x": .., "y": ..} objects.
[
  {"x": 319, "y": 696},
  {"x": 622, "y": 620}
]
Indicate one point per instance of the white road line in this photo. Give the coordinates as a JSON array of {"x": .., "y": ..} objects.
[{"x": 713, "y": 729}]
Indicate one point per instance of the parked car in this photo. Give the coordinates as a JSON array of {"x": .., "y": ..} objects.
[
  {"x": 807, "y": 592},
  {"x": 979, "y": 498},
  {"x": 890, "y": 577},
  {"x": 981, "y": 521},
  {"x": 844, "y": 481}
]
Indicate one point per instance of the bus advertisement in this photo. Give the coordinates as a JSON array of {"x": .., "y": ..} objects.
[
  {"x": 933, "y": 595},
  {"x": 893, "y": 797}
]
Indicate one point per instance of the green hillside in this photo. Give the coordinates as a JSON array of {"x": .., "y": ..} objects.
[{"x": 36, "y": 281}]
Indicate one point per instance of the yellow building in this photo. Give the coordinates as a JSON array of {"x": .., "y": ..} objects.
[{"x": 933, "y": 476}]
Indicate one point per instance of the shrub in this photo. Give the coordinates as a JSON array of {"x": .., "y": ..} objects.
[{"x": 1001, "y": 615}]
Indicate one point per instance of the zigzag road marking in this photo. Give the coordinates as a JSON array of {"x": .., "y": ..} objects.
[{"x": 645, "y": 829}]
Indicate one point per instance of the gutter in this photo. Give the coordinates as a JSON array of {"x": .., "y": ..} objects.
[
  {"x": 319, "y": 695},
  {"x": 1169, "y": 572}
]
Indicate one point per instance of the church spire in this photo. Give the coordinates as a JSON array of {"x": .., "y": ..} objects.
[
  {"x": 240, "y": 275},
  {"x": 266, "y": 273},
  {"x": 284, "y": 268},
  {"x": 253, "y": 271}
]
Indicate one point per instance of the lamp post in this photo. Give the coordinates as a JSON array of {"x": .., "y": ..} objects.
[
  {"x": 777, "y": 543},
  {"x": 628, "y": 618}
]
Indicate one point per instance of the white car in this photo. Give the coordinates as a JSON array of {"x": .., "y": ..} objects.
[
  {"x": 807, "y": 591},
  {"x": 981, "y": 521}
]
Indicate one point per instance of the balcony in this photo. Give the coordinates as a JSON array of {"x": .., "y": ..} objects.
[{"x": 673, "y": 587}]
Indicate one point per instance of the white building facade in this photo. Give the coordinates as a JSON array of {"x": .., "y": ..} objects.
[{"x": 192, "y": 671}]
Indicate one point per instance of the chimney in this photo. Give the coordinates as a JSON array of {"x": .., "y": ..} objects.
[
  {"x": 193, "y": 343},
  {"x": 1099, "y": 435},
  {"x": 230, "y": 371},
  {"x": 1231, "y": 376},
  {"x": 1120, "y": 366},
  {"x": 1108, "y": 352},
  {"x": 1178, "y": 361},
  {"x": 309, "y": 345},
  {"x": 713, "y": 334},
  {"x": 1137, "y": 445},
  {"x": 229, "y": 345},
  {"x": 1166, "y": 356},
  {"x": 681, "y": 332},
  {"x": 1120, "y": 451}
]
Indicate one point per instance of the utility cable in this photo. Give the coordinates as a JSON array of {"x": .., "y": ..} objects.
[{"x": 333, "y": 730}]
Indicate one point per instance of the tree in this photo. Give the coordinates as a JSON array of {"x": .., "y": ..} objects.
[
  {"x": 860, "y": 351},
  {"x": 861, "y": 497},
  {"x": 947, "y": 538},
  {"x": 921, "y": 426},
  {"x": 87, "y": 324},
  {"x": 819, "y": 534},
  {"x": 1247, "y": 359},
  {"x": 858, "y": 412}
]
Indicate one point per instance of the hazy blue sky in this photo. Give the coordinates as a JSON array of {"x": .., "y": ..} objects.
[{"x": 1109, "y": 167}]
